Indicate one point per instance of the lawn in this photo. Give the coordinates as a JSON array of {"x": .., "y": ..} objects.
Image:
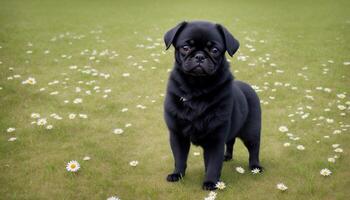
[{"x": 100, "y": 68}]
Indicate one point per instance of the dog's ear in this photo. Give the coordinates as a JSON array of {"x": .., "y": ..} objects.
[
  {"x": 231, "y": 43},
  {"x": 171, "y": 35}
]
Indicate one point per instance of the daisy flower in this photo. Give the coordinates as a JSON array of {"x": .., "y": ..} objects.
[
  {"x": 72, "y": 116},
  {"x": 341, "y": 96},
  {"x": 196, "y": 153},
  {"x": 30, "y": 81},
  {"x": 287, "y": 144},
  {"x": 335, "y": 145},
  {"x": 300, "y": 147},
  {"x": 49, "y": 127},
  {"x": 141, "y": 106},
  {"x": 240, "y": 170},
  {"x": 113, "y": 198},
  {"x": 84, "y": 116},
  {"x": 341, "y": 107},
  {"x": 10, "y": 130},
  {"x": 220, "y": 185},
  {"x": 73, "y": 166},
  {"x": 134, "y": 163},
  {"x": 35, "y": 115},
  {"x": 78, "y": 100},
  {"x": 283, "y": 129},
  {"x": 212, "y": 194},
  {"x": 86, "y": 158},
  {"x": 125, "y": 109},
  {"x": 338, "y": 150},
  {"x": 331, "y": 159},
  {"x": 325, "y": 172},
  {"x": 281, "y": 186},
  {"x": 128, "y": 125},
  {"x": 126, "y": 74},
  {"x": 118, "y": 131},
  {"x": 256, "y": 171},
  {"x": 12, "y": 139},
  {"x": 41, "y": 122}
]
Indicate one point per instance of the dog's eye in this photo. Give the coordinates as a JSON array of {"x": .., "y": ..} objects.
[
  {"x": 214, "y": 50},
  {"x": 186, "y": 48}
]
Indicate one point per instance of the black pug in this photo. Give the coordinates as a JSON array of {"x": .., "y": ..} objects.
[{"x": 204, "y": 105}]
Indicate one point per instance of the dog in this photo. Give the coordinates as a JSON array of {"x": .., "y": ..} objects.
[{"x": 204, "y": 105}]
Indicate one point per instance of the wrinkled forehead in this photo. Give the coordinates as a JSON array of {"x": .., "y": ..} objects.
[{"x": 200, "y": 34}]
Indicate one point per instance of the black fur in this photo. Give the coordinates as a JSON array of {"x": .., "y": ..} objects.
[{"x": 204, "y": 105}]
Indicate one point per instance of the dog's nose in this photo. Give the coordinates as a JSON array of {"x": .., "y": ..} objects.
[{"x": 199, "y": 57}]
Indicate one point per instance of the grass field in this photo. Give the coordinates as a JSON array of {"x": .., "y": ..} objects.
[{"x": 105, "y": 60}]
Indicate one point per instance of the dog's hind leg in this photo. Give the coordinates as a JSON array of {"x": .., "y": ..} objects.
[
  {"x": 253, "y": 149},
  {"x": 250, "y": 133},
  {"x": 229, "y": 149}
]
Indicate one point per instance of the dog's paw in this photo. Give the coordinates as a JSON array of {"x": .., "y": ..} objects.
[
  {"x": 227, "y": 157},
  {"x": 174, "y": 177},
  {"x": 208, "y": 185},
  {"x": 257, "y": 168}
]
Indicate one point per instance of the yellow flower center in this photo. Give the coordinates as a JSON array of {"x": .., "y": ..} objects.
[{"x": 72, "y": 166}]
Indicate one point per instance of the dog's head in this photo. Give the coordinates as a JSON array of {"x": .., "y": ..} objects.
[{"x": 200, "y": 46}]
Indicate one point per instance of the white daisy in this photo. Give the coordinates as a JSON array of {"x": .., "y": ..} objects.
[
  {"x": 341, "y": 96},
  {"x": 341, "y": 107},
  {"x": 240, "y": 170},
  {"x": 126, "y": 74},
  {"x": 256, "y": 171},
  {"x": 118, "y": 131},
  {"x": 86, "y": 158},
  {"x": 10, "y": 130},
  {"x": 220, "y": 185},
  {"x": 30, "y": 81},
  {"x": 196, "y": 153},
  {"x": 331, "y": 159},
  {"x": 300, "y": 147},
  {"x": 283, "y": 129},
  {"x": 141, "y": 106},
  {"x": 134, "y": 163},
  {"x": 84, "y": 116},
  {"x": 78, "y": 100},
  {"x": 281, "y": 186},
  {"x": 212, "y": 194},
  {"x": 128, "y": 125},
  {"x": 54, "y": 93},
  {"x": 335, "y": 145},
  {"x": 338, "y": 150},
  {"x": 49, "y": 127},
  {"x": 73, "y": 166},
  {"x": 41, "y": 122},
  {"x": 35, "y": 115},
  {"x": 113, "y": 198},
  {"x": 325, "y": 172},
  {"x": 72, "y": 116},
  {"x": 286, "y": 144},
  {"x": 11, "y": 139},
  {"x": 125, "y": 109}
]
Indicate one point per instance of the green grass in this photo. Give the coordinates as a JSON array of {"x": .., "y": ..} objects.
[{"x": 296, "y": 34}]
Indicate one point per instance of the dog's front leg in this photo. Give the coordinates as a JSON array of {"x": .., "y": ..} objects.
[
  {"x": 180, "y": 147},
  {"x": 213, "y": 159}
]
